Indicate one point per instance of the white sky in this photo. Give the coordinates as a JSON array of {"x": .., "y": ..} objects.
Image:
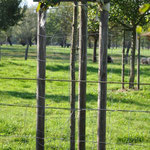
[{"x": 30, "y": 2}]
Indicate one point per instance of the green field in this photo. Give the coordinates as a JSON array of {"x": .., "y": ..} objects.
[{"x": 125, "y": 130}]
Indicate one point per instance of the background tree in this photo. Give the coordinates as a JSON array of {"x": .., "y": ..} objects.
[
  {"x": 10, "y": 13},
  {"x": 59, "y": 24},
  {"x": 25, "y": 31},
  {"x": 93, "y": 26},
  {"x": 127, "y": 14}
]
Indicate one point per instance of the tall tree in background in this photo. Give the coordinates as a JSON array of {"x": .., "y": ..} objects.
[
  {"x": 93, "y": 26},
  {"x": 127, "y": 14},
  {"x": 59, "y": 24},
  {"x": 10, "y": 13},
  {"x": 26, "y": 29}
]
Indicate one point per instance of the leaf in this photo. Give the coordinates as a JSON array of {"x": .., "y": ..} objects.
[
  {"x": 138, "y": 29},
  {"x": 149, "y": 29},
  {"x": 38, "y": 7},
  {"x": 144, "y": 8}
]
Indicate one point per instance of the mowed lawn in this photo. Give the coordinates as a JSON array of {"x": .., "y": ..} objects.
[{"x": 125, "y": 129}]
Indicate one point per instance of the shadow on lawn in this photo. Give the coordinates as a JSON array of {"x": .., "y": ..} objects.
[
  {"x": 62, "y": 98},
  {"x": 89, "y": 69}
]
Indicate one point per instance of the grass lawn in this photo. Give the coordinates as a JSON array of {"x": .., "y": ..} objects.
[{"x": 125, "y": 130}]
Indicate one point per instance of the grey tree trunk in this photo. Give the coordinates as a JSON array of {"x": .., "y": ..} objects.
[
  {"x": 41, "y": 67},
  {"x": 72, "y": 71},
  {"x": 123, "y": 60},
  {"x": 94, "y": 51},
  {"x": 132, "y": 64},
  {"x": 82, "y": 75},
  {"x": 102, "y": 74},
  {"x": 138, "y": 63},
  {"x": 26, "y": 51},
  {"x": 127, "y": 52}
]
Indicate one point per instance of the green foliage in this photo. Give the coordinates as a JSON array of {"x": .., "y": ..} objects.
[
  {"x": 139, "y": 29},
  {"x": 10, "y": 13},
  {"x": 143, "y": 9},
  {"x": 127, "y": 13},
  {"x": 93, "y": 18},
  {"x": 59, "y": 23},
  {"x": 45, "y": 4},
  {"x": 25, "y": 31}
]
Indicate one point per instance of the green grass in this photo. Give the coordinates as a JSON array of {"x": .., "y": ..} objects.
[{"x": 125, "y": 130}]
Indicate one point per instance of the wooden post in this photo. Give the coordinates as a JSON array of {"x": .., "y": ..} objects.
[
  {"x": 72, "y": 73},
  {"x": 41, "y": 57},
  {"x": 123, "y": 60},
  {"x": 102, "y": 74},
  {"x": 138, "y": 62},
  {"x": 82, "y": 74}
]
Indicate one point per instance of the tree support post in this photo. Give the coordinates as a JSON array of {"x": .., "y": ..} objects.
[
  {"x": 123, "y": 60},
  {"x": 41, "y": 57},
  {"x": 82, "y": 75},
  {"x": 132, "y": 61},
  {"x": 72, "y": 73},
  {"x": 102, "y": 74},
  {"x": 138, "y": 62}
]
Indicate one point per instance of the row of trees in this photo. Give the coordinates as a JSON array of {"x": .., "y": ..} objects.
[{"x": 21, "y": 24}]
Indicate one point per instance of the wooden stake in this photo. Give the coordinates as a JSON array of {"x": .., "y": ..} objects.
[
  {"x": 41, "y": 57},
  {"x": 82, "y": 74},
  {"x": 123, "y": 60},
  {"x": 102, "y": 74},
  {"x": 72, "y": 73},
  {"x": 138, "y": 62}
]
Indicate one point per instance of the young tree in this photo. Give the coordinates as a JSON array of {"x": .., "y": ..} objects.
[{"x": 127, "y": 14}]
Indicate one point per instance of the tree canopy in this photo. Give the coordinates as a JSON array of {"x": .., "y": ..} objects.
[
  {"x": 127, "y": 13},
  {"x": 11, "y": 12}
]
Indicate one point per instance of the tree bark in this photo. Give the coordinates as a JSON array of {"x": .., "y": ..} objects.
[
  {"x": 41, "y": 69},
  {"x": 72, "y": 71},
  {"x": 132, "y": 64},
  {"x": 82, "y": 75},
  {"x": 94, "y": 51},
  {"x": 102, "y": 74}
]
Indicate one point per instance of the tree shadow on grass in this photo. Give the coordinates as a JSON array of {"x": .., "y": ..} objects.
[
  {"x": 61, "y": 98},
  {"x": 58, "y": 67},
  {"x": 134, "y": 139}
]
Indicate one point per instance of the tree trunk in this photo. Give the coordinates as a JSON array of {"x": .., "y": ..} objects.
[
  {"x": 26, "y": 52},
  {"x": 132, "y": 64},
  {"x": 102, "y": 87},
  {"x": 82, "y": 74},
  {"x": 90, "y": 43},
  {"x": 109, "y": 41},
  {"x": 41, "y": 70},
  {"x": 72, "y": 71},
  {"x": 127, "y": 52},
  {"x": 123, "y": 61},
  {"x": 94, "y": 51},
  {"x": 9, "y": 40}
]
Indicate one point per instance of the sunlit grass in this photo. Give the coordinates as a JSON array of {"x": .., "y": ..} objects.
[{"x": 125, "y": 130}]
